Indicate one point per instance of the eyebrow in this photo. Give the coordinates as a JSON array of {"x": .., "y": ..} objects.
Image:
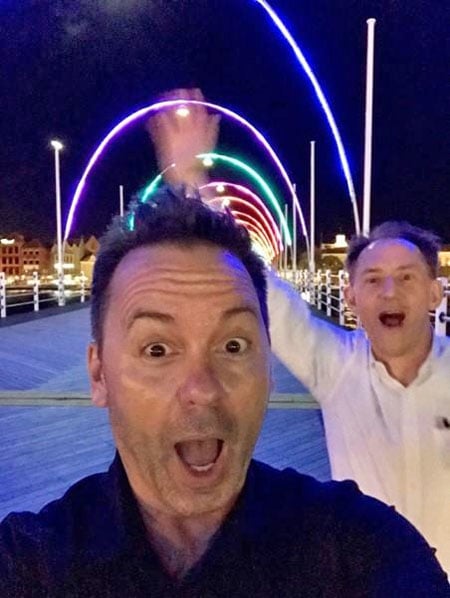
[
  {"x": 375, "y": 270},
  {"x": 168, "y": 319},
  {"x": 236, "y": 311},
  {"x": 149, "y": 315}
]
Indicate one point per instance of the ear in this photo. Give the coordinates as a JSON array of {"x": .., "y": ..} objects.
[
  {"x": 99, "y": 395},
  {"x": 349, "y": 296},
  {"x": 436, "y": 294}
]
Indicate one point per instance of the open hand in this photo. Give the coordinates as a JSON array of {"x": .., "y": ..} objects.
[{"x": 179, "y": 138}]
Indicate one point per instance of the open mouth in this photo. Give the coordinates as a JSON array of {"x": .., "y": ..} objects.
[
  {"x": 392, "y": 319},
  {"x": 199, "y": 456}
]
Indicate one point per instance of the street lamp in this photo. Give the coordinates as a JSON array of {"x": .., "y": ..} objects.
[{"x": 58, "y": 146}]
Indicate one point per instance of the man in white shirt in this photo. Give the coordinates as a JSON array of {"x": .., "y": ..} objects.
[{"x": 384, "y": 390}]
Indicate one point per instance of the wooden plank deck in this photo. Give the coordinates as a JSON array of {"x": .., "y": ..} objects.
[{"x": 45, "y": 352}]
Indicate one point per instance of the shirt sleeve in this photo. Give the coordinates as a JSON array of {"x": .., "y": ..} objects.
[{"x": 312, "y": 349}]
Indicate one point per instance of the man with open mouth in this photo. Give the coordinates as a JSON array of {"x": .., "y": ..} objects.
[
  {"x": 384, "y": 388},
  {"x": 180, "y": 357}
]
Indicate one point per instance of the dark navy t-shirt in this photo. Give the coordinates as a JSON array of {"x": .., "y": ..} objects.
[{"x": 288, "y": 535}]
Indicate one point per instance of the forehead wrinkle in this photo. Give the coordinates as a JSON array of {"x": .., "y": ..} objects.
[
  {"x": 155, "y": 275},
  {"x": 187, "y": 275},
  {"x": 210, "y": 287},
  {"x": 138, "y": 293},
  {"x": 146, "y": 274}
]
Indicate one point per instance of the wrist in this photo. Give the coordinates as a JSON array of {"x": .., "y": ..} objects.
[{"x": 194, "y": 176}]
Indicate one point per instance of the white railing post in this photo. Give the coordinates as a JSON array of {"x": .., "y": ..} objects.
[
  {"x": 303, "y": 282},
  {"x": 328, "y": 291},
  {"x": 312, "y": 291},
  {"x": 441, "y": 318},
  {"x": 83, "y": 289},
  {"x": 341, "y": 276},
  {"x": 61, "y": 295},
  {"x": 2, "y": 295},
  {"x": 35, "y": 291},
  {"x": 318, "y": 286}
]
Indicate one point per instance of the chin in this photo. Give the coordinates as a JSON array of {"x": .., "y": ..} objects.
[
  {"x": 390, "y": 350},
  {"x": 196, "y": 506}
]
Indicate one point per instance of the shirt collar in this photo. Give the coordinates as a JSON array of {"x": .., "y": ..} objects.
[
  {"x": 425, "y": 370},
  {"x": 124, "y": 530}
]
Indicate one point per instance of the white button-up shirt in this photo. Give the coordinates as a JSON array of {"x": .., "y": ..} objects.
[{"x": 394, "y": 441}]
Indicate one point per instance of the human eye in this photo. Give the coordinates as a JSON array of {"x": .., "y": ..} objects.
[
  {"x": 371, "y": 280},
  {"x": 236, "y": 345},
  {"x": 407, "y": 276},
  {"x": 157, "y": 350}
]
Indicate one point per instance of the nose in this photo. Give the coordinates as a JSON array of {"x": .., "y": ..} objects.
[
  {"x": 201, "y": 385},
  {"x": 388, "y": 286}
]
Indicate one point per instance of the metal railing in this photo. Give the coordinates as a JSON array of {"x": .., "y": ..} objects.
[
  {"x": 325, "y": 291},
  {"x": 35, "y": 295},
  {"x": 441, "y": 316}
]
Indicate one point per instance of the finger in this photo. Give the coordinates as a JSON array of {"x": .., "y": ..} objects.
[
  {"x": 162, "y": 127},
  {"x": 197, "y": 111},
  {"x": 174, "y": 94},
  {"x": 214, "y": 128}
]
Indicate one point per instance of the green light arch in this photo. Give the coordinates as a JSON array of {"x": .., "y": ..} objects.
[{"x": 243, "y": 167}]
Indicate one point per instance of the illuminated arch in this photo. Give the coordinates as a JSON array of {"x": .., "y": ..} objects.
[
  {"x": 253, "y": 230},
  {"x": 244, "y": 167},
  {"x": 257, "y": 225},
  {"x": 146, "y": 111},
  {"x": 259, "y": 249},
  {"x": 323, "y": 102},
  {"x": 253, "y": 197},
  {"x": 232, "y": 200}
]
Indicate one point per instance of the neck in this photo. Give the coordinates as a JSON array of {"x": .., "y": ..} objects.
[
  {"x": 180, "y": 542},
  {"x": 404, "y": 368}
]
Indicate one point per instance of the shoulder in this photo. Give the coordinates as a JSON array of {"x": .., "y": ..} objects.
[
  {"x": 347, "y": 531},
  {"x": 341, "y": 504},
  {"x": 306, "y": 501},
  {"x": 300, "y": 491},
  {"x": 41, "y": 545},
  {"x": 81, "y": 500}
]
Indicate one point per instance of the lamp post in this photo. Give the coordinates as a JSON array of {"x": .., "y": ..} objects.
[
  {"x": 121, "y": 204},
  {"x": 58, "y": 146},
  {"x": 368, "y": 127}
]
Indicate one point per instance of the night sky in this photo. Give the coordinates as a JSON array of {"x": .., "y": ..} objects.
[{"x": 72, "y": 69}]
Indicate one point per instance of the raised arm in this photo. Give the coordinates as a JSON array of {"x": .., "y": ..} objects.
[
  {"x": 314, "y": 350},
  {"x": 309, "y": 347},
  {"x": 180, "y": 136}
]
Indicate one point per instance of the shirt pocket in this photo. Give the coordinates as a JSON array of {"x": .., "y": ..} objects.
[{"x": 442, "y": 438}]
